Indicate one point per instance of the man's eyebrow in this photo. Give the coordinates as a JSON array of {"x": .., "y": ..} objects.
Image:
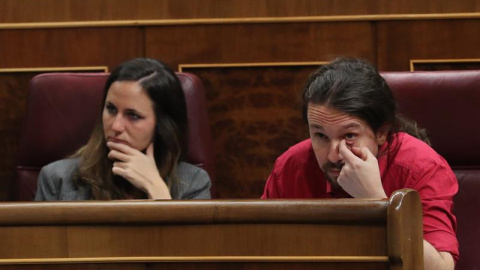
[
  {"x": 352, "y": 125},
  {"x": 316, "y": 126}
]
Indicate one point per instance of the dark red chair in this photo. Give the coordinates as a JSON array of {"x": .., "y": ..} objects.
[
  {"x": 62, "y": 109},
  {"x": 447, "y": 104}
]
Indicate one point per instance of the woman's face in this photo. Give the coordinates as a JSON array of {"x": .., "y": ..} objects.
[{"x": 128, "y": 116}]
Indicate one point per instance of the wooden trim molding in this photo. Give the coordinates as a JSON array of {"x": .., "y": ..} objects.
[
  {"x": 335, "y": 18},
  {"x": 199, "y": 259},
  {"x": 201, "y": 212},
  {"x": 181, "y": 67},
  {"x": 441, "y": 61},
  {"x": 54, "y": 69}
]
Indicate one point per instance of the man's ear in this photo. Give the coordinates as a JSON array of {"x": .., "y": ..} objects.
[{"x": 382, "y": 133}]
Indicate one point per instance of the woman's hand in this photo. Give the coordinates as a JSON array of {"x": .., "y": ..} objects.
[
  {"x": 360, "y": 174},
  {"x": 139, "y": 169}
]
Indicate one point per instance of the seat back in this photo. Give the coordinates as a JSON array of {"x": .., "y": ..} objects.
[
  {"x": 446, "y": 103},
  {"x": 62, "y": 109}
]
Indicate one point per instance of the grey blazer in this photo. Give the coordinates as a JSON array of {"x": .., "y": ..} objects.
[{"x": 55, "y": 182}]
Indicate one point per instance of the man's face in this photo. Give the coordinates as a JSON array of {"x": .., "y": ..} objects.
[{"x": 328, "y": 127}]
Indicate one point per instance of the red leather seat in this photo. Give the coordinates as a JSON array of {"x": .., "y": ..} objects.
[
  {"x": 62, "y": 109},
  {"x": 447, "y": 104}
]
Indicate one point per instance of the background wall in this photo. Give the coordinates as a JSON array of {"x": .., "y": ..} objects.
[{"x": 252, "y": 55}]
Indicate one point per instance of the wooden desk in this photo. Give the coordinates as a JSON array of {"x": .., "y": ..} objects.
[{"x": 253, "y": 234}]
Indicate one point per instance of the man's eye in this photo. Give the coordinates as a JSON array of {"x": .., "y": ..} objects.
[
  {"x": 350, "y": 137},
  {"x": 321, "y": 136}
]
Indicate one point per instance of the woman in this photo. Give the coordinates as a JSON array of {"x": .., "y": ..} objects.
[{"x": 136, "y": 150}]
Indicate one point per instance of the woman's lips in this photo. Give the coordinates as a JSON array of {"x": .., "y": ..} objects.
[{"x": 115, "y": 140}]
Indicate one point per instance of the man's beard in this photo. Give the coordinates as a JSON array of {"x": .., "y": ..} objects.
[{"x": 326, "y": 170}]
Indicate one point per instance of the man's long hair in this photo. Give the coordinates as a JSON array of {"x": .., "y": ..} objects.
[{"x": 355, "y": 87}]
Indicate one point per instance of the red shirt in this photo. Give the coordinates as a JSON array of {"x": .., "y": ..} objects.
[{"x": 407, "y": 163}]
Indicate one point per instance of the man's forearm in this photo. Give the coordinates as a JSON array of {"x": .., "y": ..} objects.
[{"x": 434, "y": 260}]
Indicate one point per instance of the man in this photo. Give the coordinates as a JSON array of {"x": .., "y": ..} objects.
[{"x": 360, "y": 148}]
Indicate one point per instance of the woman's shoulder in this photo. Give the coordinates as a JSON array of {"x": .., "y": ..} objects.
[
  {"x": 55, "y": 182},
  {"x": 61, "y": 167},
  {"x": 193, "y": 182},
  {"x": 184, "y": 167}
]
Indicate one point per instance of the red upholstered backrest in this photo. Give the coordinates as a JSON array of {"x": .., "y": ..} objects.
[
  {"x": 447, "y": 104},
  {"x": 62, "y": 109}
]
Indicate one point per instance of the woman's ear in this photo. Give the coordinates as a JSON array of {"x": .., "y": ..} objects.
[{"x": 382, "y": 133}]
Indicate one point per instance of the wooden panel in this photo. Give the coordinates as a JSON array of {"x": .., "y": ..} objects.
[
  {"x": 255, "y": 115},
  {"x": 92, "y": 10},
  {"x": 13, "y": 92},
  {"x": 269, "y": 266},
  {"x": 400, "y": 42},
  {"x": 251, "y": 234},
  {"x": 209, "y": 266},
  {"x": 445, "y": 64},
  {"x": 206, "y": 266},
  {"x": 182, "y": 240},
  {"x": 69, "y": 47},
  {"x": 83, "y": 266},
  {"x": 251, "y": 43}
]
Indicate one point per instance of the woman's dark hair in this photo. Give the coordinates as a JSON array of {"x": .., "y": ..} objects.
[
  {"x": 166, "y": 94},
  {"x": 355, "y": 87}
]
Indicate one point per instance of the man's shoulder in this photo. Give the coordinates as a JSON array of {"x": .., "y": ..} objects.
[
  {"x": 414, "y": 154},
  {"x": 410, "y": 148},
  {"x": 300, "y": 154},
  {"x": 298, "y": 150}
]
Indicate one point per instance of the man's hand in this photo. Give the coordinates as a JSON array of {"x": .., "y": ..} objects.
[
  {"x": 360, "y": 175},
  {"x": 139, "y": 169}
]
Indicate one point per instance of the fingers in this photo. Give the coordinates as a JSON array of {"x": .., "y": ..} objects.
[
  {"x": 363, "y": 152},
  {"x": 150, "y": 150},
  {"x": 120, "y": 151},
  {"x": 118, "y": 169},
  {"x": 344, "y": 151},
  {"x": 353, "y": 152},
  {"x": 116, "y": 155},
  {"x": 121, "y": 148}
]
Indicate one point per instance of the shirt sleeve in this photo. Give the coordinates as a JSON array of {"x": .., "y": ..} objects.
[{"x": 436, "y": 186}]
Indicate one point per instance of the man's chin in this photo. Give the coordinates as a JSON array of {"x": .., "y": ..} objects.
[{"x": 332, "y": 180}]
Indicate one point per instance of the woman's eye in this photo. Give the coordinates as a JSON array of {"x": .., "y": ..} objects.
[
  {"x": 134, "y": 116},
  {"x": 111, "y": 109}
]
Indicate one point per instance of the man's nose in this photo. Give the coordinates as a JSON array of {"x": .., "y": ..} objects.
[
  {"x": 118, "y": 124},
  {"x": 334, "y": 155}
]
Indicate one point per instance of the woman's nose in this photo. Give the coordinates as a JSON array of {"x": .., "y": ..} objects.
[{"x": 118, "y": 124}]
